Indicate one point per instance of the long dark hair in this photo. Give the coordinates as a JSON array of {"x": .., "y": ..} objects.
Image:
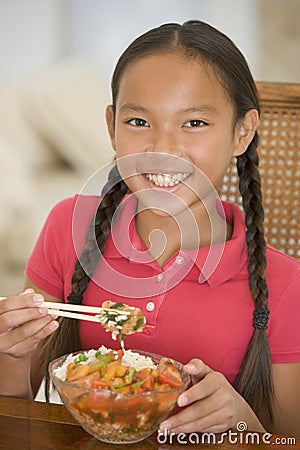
[{"x": 195, "y": 39}]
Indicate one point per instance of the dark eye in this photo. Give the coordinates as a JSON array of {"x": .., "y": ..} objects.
[
  {"x": 138, "y": 123},
  {"x": 196, "y": 123}
]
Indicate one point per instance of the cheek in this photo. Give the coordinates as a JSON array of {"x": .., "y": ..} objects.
[
  {"x": 213, "y": 158},
  {"x": 125, "y": 145}
]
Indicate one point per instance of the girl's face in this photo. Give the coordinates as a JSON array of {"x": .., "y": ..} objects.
[{"x": 172, "y": 118}]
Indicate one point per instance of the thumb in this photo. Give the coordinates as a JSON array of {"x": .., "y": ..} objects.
[{"x": 197, "y": 368}]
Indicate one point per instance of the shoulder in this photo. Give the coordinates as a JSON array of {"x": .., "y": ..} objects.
[
  {"x": 66, "y": 208},
  {"x": 281, "y": 264},
  {"x": 61, "y": 208},
  {"x": 283, "y": 275},
  {"x": 69, "y": 220}
]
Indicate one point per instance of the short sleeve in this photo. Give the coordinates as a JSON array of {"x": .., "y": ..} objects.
[
  {"x": 284, "y": 328},
  {"x": 45, "y": 266}
]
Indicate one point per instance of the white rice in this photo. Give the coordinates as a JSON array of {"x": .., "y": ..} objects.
[
  {"x": 130, "y": 359},
  {"x": 137, "y": 361}
]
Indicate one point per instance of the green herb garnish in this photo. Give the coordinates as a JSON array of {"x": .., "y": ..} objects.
[
  {"x": 138, "y": 324},
  {"x": 116, "y": 305},
  {"x": 168, "y": 362}
]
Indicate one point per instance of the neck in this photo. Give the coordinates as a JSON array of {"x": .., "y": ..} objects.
[{"x": 165, "y": 235}]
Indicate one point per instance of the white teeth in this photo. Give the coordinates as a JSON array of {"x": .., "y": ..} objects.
[
  {"x": 160, "y": 180},
  {"x": 166, "y": 179}
]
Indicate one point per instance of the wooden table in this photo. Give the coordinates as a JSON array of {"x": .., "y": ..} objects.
[{"x": 29, "y": 425}]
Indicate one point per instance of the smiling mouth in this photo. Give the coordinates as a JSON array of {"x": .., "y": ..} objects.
[{"x": 166, "y": 179}]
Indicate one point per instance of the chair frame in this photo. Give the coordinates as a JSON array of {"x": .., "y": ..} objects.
[{"x": 279, "y": 165}]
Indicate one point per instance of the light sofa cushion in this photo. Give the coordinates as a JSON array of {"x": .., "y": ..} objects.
[
  {"x": 16, "y": 188},
  {"x": 67, "y": 106},
  {"x": 28, "y": 145},
  {"x": 16, "y": 197}
]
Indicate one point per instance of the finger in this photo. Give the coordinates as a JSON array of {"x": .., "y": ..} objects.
[
  {"x": 197, "y": 368},
  {"x": 26, "y": 291},
  {"x": 16, "y": 335},
  {"x": 17, "y": 317},
  {"x": 30, "y": 344},
  {"x": 204, "y": 388},
  {"x": 199, "y": 409},
  {"x": 20, "y": 301},
  {"x": 213, "y": 423}
]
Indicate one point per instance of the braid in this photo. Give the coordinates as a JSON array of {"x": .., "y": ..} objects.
[
  {"x": 99, "y": 230},
  {"x": 254, "y": 381},
  {"x": 66, "y": 339}
]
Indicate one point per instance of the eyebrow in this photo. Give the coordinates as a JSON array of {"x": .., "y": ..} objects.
[
  {"x": 133, "y": 107},
  {"x": 203, "y": 108},
  {"x": 200, "y": 109}
]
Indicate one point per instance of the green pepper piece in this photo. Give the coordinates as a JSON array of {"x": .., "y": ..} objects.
[
  {"x": 129, "y": 375},
  {"x": 102, "y": 361}
]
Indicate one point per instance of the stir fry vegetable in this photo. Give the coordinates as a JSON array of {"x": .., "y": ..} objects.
[{"x": 108, "y": 372}]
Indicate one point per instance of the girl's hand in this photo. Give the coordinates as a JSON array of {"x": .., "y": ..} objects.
[
  {"x": 213, "y": 405},
  {"x": 23, "y": 324}
]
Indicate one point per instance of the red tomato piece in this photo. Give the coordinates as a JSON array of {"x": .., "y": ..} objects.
[
  {"x": 147, "y": 377},
  {"x": 165, "y": 378},
  {"x": 99, "y": 384}
]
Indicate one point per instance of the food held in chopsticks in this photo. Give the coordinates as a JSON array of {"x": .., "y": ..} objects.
[
  {"x": 121, "y": 319},
  {"x": 118, "y": 318}
]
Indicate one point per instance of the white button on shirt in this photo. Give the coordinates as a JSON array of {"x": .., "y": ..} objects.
[
  {"x": 179, "y": 260},
  {"x": 150, "y": 306},
  {"x": 159, "y": 277}
]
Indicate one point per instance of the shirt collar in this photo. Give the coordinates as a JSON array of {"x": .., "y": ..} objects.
[
  {"x": 221, "y": 262},
  {"x": 124, "y": 240},
  {"x": 216, "y": 264}
]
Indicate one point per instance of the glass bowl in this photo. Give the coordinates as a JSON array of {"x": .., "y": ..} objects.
[{"x": 113, "y": 417}]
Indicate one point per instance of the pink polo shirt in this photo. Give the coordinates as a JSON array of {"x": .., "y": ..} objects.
[{"x": 197, "y": 310}]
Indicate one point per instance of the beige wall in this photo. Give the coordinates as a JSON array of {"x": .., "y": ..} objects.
[
  {"x": 35, "y": 35},
  {"x": 279, "y": 40}
]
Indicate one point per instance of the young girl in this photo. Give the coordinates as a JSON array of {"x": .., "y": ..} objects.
[{"x": 183, "y": 104}]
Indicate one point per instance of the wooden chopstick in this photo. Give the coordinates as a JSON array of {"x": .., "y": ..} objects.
[
  {"x": 74, "y": 311},
  {"x": 71, "y": 307},
  {"x": 53, "y": 310},
  {"x": 73, "y": 315},
  {"x": 81, "y": 308}
]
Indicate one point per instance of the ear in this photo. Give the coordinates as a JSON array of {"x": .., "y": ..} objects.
[
  {"x": 245, "y": 131},
  {"x": 110, "y": 122}
]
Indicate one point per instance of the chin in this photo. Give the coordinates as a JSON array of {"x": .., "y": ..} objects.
[{"x": 161, "y": 203}]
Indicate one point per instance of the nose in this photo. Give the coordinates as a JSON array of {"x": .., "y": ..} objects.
[{"x": 166, "y": 142}]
